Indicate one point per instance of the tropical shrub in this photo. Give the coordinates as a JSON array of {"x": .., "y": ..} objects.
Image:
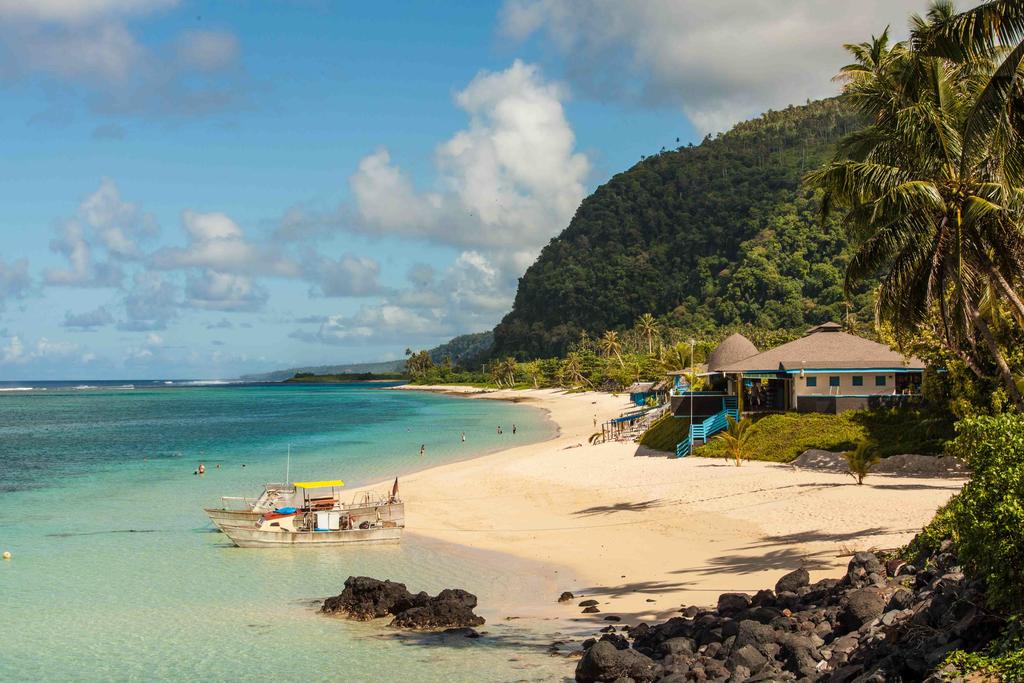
[
  {"x": 861, "y": 459},
  {"x": 734, "y": 439},
  {"x": 987, "y": 516}
]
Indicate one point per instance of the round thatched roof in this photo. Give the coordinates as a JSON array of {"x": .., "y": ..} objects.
[{"x": 735, "y": 348}]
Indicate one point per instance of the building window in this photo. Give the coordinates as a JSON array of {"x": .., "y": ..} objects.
[
  {"x": 858, "y": 381},
  {"x": 833, "y": 381},
  {"x": 879, "y": 380},
  {"x": 812, "y": 381}
]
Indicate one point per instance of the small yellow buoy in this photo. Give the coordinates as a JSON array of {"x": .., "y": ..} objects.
[{"x": 7, "y": 554}]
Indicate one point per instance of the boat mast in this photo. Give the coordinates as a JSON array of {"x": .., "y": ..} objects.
[{"x": 288, "y": 466}]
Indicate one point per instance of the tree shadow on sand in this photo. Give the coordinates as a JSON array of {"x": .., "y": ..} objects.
[
  {"x": 817, "y": 537},
  {"x": 952, "y": 488},
  {"x": 624, "y": 506},
  {"x": 784, "y": 558}
]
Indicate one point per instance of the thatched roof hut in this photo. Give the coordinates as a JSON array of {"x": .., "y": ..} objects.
[{"x": 733, "y": 349}]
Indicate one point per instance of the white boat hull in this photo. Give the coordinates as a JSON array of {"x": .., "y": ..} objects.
[
  {"x": 391, "y": 512},
  {"x": 221, "y": 517},
  {"x": 251, "y": 537}
]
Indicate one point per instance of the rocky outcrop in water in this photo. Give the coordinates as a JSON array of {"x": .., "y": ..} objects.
[
  {"x": 366, "y": 598},
  {"x": 879, "y": 622}
]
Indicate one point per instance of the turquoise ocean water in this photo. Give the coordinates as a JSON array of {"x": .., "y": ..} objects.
[{"x": 116, "y": 574}]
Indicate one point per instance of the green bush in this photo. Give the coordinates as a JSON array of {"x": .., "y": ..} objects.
[
  {"x": 987, "y": 517},
  {"x": 931, "y": 537},
  {"x": 1004, "y": 657}
]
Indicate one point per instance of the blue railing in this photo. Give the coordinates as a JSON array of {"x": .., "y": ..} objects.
[{"x": 710, "y": 426}]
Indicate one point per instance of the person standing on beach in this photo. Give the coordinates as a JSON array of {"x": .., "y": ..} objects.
[{"x": 423, "y": 449}]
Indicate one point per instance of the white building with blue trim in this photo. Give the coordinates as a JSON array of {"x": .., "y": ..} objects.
[{"x": 825, "y": 371}]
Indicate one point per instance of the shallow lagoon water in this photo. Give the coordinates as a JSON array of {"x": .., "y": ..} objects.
[{"x": 117, "y": 575}]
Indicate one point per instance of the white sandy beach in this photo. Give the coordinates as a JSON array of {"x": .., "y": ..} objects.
[{"x": 645, "y": 534}]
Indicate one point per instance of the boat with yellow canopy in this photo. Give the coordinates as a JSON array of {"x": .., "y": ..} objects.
[{"x": 315, "y": 515}]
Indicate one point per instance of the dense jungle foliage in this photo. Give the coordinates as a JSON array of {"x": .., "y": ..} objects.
[{"x": 705, "y": 236}]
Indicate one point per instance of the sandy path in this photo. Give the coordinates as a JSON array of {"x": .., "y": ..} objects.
[{"x": 645, "y": 533}]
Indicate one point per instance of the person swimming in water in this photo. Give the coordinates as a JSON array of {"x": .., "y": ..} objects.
[
  {"x": 423, "y": 449},
  {"x": 202, "y": 468}
]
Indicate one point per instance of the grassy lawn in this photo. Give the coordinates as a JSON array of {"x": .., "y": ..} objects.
[
  {"x": 665, "y": 433},
  {"x": 782, "y": 437}
]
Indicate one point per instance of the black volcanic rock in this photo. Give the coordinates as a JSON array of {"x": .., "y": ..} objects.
[
  {"x": 880, "y": 622},
  {"x": 604, "y": 662},
  {"x": 365, "y": 598}
]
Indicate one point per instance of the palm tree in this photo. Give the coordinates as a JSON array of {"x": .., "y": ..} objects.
[
  {"x": 648, "y": 326},
  {"x": 571, "y": 371},
  {"x": 861, "y": 459},
  {"x": 610, "y": 345},
  {"x": 677, "y": 357},
  {"x": 735, "y": 438},
  {"x": 509, "y": 367},
  {"x": 927, "y": 200}
]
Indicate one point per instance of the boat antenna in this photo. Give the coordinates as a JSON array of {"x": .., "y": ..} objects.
[{"x": 288, "y": 466}]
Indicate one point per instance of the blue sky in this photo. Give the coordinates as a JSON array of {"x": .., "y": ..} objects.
[{"x": 205, "y": 189}]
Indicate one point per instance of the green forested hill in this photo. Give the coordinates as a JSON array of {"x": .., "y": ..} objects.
[{"x": 716, "y": 234}]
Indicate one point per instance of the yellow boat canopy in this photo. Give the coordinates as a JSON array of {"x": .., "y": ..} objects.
[{"x": 318, "y": 484}]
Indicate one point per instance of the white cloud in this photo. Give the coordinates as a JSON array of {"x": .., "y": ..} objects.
[
  {"x": 85, "y": 49},
  {"x": 16, "y": 352},
  {"x": 13, "y": 351},
  {"x": 223, "y": 292},
  {"x": 103, "y": 55},
  {"x": 70, "y": 11},
  {"x": 719, "y": 62},
  {"x": 372, "y": 324},
  {"x": 208, "y": 50},
  {"x": 117, "y": 224},
  {"x": 88, "y": 320},
  {"x": 506, "y": 184},
  {"x": 103, "y": 222},
  {"x": 82, "y": 270},
  {"x": 15, "y": 280},
  {"x": 350, "y": 275},
  {"x": 216, "y": 242},
  {"x": 151, "y": 302},
  {"x": 510, "y": 178}
]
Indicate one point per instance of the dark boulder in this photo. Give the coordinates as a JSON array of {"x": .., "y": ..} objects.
[
  {"x": 587, "y": 603},
  {"x": 793, "y": 581},
  {"x": 901, "y": 599},
  {"x": 755, "y": 634},
  {"x": 365, "y": 598},
  {"x": 677, "y": 646},
  {"x": 860, "y": 607},
  {"x": 566, "y": 597},
  {"x": 619, "y": 641},
  {"x": 864, "y": 569},
  {"x": 732, "y": 603},
  {"x": 604, "y": 663},
  {"x": 748, "y": 657},
  {"x": 451, "y": 608}
]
